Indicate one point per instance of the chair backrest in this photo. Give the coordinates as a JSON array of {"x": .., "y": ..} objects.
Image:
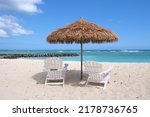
[
  {"x": 54, "y": 74},
  {"x": 53, "y": 64},
  {"x": 95, "y": 77},
  {"x": 92, "y": 67}
]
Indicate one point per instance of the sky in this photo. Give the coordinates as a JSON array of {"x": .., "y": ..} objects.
[{"x": 25, "y": 24}]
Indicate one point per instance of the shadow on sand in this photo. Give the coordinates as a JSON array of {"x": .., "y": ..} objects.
[
  {"x": 73, "y": 78},
  {"x": 40, "y": 77}
]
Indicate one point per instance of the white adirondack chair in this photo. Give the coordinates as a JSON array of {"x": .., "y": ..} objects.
[
  {"x": 55, "y": 71},
  {"x": 96, "y": 75}
]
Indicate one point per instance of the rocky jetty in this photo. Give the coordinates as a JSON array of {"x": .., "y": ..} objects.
[{"x": 15, "y": 56}]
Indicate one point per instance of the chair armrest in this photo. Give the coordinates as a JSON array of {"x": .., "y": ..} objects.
[
  {"x": 64, "y": 70},
  {"x": 65, "y": 67},
  {"x": 106, "y": 72}
]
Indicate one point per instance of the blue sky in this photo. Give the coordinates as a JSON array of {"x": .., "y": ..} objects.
[{"x": 25, "y": 24}]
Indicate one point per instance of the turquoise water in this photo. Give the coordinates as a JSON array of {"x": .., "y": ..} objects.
[{"x": 94, "y": 55}]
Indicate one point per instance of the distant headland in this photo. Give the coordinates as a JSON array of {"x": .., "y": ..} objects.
[{"x": 15, "y": 56}]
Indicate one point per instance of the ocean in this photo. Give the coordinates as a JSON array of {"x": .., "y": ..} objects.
[{"x": 135, "y": 56}]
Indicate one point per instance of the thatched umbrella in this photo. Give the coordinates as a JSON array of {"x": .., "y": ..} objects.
[{"x": 82, "y": 32}]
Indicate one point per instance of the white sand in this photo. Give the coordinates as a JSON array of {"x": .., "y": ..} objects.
[{"x": 24, "y": 79}]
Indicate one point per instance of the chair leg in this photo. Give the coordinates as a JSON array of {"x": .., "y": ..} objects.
[
  {"x": 45, "y": 81},
  {"x": 63, "y": 83},
  {"x": 105, "y": 84},
  {"x": 87, "y": 82}
]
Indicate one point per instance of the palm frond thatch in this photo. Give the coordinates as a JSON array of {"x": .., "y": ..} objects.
[{"x": 82, "y": 32}]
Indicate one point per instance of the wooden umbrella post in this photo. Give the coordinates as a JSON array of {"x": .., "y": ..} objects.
[{"x": 81, "y": 60}]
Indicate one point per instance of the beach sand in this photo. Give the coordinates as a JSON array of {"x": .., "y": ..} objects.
[{"x": 24, "y": 79}]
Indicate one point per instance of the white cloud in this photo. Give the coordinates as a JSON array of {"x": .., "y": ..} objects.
[
  {"x": 9, "y": 26},
  {"x": 28, "y": 6},
  {"x": 3, "y": 33}
]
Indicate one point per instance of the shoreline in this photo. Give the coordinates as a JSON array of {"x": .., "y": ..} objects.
[
  {"x": 23, "y": 79},
  {"x": 30, "y": 59}
]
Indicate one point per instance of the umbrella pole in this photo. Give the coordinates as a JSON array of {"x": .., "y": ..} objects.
[{"x": 81, "y": 59}]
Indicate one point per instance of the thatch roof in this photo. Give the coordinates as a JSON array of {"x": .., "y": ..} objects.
[{"x": 82, "y": 32}]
